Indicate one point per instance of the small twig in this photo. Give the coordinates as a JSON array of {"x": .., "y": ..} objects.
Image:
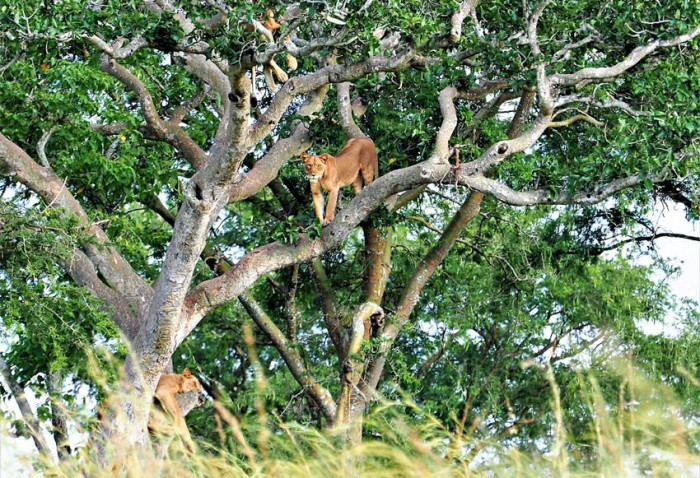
[{"x": 41, "y": 147}]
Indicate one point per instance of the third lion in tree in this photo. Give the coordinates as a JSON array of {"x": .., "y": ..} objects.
[{"x": 356, "y": 164}]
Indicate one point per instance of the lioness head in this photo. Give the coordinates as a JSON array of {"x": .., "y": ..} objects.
[
  {"x": 315, "y": 165},
  {"x": 190, "y": 383}
]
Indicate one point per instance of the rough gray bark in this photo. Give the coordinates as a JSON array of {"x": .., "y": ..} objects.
[
  {"x": 59, "y": 418},
  {"x": 30, "y": 420},
  {"x": 156, "y": 319}
]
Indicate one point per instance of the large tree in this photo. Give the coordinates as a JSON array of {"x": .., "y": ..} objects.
[{"x": 106, "y": 104}]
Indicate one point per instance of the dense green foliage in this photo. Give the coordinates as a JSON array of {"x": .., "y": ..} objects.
[{"x": 523, "y": 289}]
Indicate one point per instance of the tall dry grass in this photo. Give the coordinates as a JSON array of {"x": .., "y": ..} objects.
[{"x": 644, "y": 434}]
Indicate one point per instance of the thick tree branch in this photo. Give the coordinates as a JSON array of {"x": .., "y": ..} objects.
[
  {"x": 44, "y": 182},
  {"x": 154, "y": 203},
  {"x": 128, "y": 79},
  {"x": 427, "y": 266},
  {"x": 352, "y": 368},
  {"x": 446, "y": 100},
  {"x": 230, "y": 144},
  {"x": 191, "y": 103},
  {"x": 464, "y": 10},
  {"x": 59, "y": 417},
  {"x": 378, "y": 244},
  {"x": 210, "y": 73},
  {"x": 267, "y": 168},
  {"x": 345, "y": 112},
  {"x": 291, "y": 357},
  {"x": 529, "y": 198},
  {"x": 527, "y": 99},
  {"x": 412, "y": 290},
  {"x": 206, "y": 193},
  {"x": 83, "y": 272},
  {"x": 532, "y": 27},
  {"x": 292, "y": 313}
]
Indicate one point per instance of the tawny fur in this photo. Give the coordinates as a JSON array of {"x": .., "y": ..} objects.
[
  {"x": 356, "y": 164},
  {"x": 169, "y": 386},
  {"x": 272, "y": 70}
]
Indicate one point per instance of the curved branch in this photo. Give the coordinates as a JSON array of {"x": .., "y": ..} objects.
[
  {"x": 420, "y": 277},
  {"x": 527, "y": 99},
  {"x": 352, "y": 368},
  {"x": 41, "y": 146},
  {"x": 83, "y": 272},
  {"x": 575, "y": 118},
  {"x": 530, "y": 198},
  {"x": 169, "y": 132},
  {"x": 653, "y": 237},
  {"x": 59, "y": 415},
  {"x": 594, "y": 36},
  {"x": 446, "y": 100},
  {"x": 188, "y": 105},
  {"x": 532, "y": 27},
  {"x": 345, "y": 112},
  {"x": 637, "y": 55},
  {"x": 118, "y": 273}
]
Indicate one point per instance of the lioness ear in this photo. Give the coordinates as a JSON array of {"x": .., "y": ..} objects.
[
  {"x": 186, "y": 373},
  {"x": 325, "y": 157},
  {"x": 304, "y": 156}
]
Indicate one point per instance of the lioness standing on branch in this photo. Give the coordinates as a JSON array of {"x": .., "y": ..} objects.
[{"x": 356, "y": 164}]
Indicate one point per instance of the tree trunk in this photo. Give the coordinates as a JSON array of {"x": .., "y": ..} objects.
[
  {"x": 351, "y": 401},
  {"x": 358, "y": 404},
  {"x": 125, "y": 415},
  {"x": 59, "y": 419}
]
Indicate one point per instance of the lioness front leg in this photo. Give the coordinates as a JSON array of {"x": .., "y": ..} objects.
[
  {"x": 170, "y": 405},
  {"x": 317, "y": 196},
  {"x": 330, "y": 207}
]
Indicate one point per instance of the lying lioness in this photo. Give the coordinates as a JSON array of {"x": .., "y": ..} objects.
[
  {"x": 355, "y": 164},
  {"x": 173, "y": 393}
]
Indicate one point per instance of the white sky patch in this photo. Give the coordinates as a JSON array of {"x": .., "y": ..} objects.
[
  {"x": 683, "y": 253},
  {"x": 16, "y": 454}
]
